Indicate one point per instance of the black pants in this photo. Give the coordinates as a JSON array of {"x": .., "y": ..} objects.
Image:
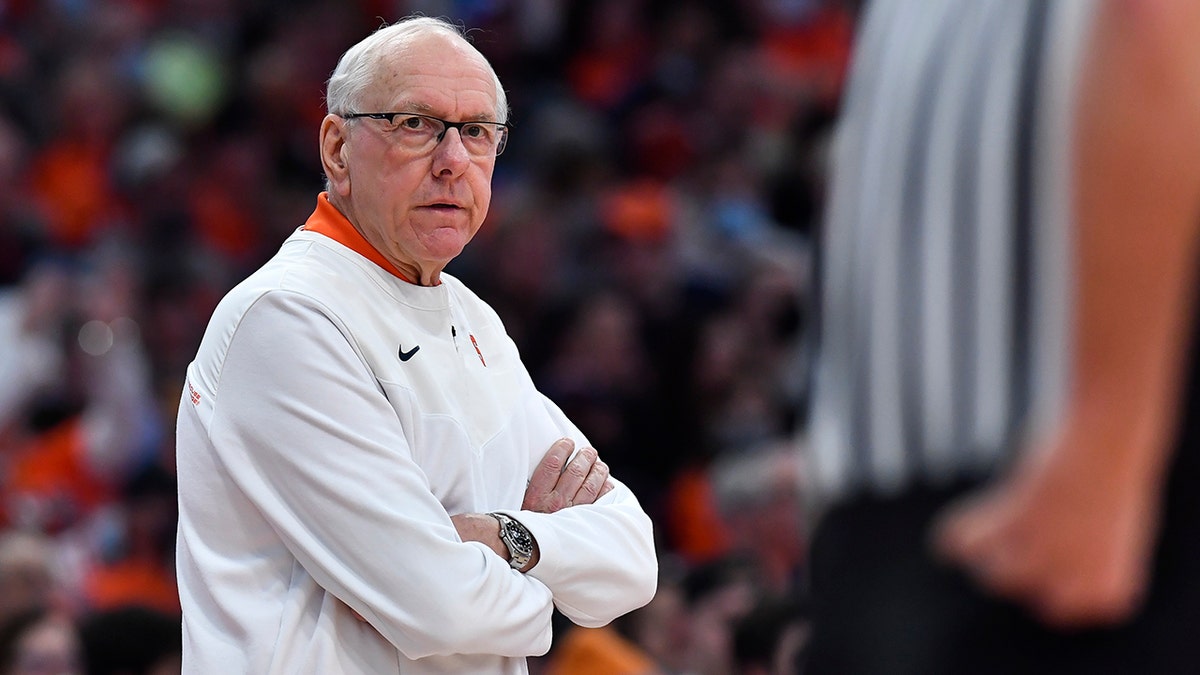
[{"x": 883, "y": 606}]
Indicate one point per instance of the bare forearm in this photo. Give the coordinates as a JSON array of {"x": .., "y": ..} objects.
[{"x": 1138, "y": 189}]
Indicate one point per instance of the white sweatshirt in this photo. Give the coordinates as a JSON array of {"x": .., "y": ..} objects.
[{"x": 318, "y": 469}]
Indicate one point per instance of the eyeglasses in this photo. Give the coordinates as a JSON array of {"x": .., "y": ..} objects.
[{"x": 422, "y": 133}]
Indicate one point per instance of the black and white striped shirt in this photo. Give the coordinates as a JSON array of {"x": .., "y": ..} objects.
[{"x": 946, "y": 255}]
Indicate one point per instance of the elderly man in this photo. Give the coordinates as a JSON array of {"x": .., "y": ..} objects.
[{"x": 369, "y": 481}]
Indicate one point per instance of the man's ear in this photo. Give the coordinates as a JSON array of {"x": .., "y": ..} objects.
[{"x": 333, "y": 154}]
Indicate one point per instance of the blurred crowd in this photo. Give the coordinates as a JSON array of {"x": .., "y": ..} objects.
[{"x": 648, "y": 247}]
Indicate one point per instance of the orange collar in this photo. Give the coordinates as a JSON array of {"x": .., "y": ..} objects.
[{"x": 327, "y": 220}]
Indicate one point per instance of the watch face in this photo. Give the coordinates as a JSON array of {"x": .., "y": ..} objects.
[
  {"x": 520, "y": 537},
  {"x": 516, "y": 538}
]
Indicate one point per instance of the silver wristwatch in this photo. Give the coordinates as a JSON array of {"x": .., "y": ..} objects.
[{"x": 518, "y": 540}]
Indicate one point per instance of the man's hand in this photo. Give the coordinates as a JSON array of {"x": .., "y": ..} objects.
[
  {"x": 482, "y": 528},
  {"x": 558, "y": 484},
  {"x": 1064, "y": 534},
  {"x": 485, "y": 529}
]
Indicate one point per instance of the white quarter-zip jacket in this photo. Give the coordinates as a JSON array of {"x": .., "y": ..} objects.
[{"x": 333, "y": 420}]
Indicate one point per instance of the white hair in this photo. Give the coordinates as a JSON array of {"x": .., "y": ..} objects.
[{"x": 358, "y": 67}]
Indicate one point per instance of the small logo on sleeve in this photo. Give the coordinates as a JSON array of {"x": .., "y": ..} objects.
[{"x": 193, "y": 394}]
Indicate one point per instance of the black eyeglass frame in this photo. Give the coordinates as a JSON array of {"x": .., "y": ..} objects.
[{"x": 447, "y": 125}]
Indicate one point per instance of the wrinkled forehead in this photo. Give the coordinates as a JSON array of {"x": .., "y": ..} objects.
[{"x": 435, "y": 74}]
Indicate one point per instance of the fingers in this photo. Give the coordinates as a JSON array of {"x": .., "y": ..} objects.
[
  {"x": 608, "y": 487},
  {"x": 575, "y": 475},
  {"x": 549, "y": 470},
  {"x": 1016, "y": 558},
  {"x": 1076, "y": 603},
  {"x": 558, "y": 482},
  {"x": 968, "y": 531},
  {"x": 593, "y": 483},
  {"x": 584, "y": 480},
  {"x": 981, "y": 535}
]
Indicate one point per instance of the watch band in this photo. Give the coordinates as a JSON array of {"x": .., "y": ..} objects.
[{"x": 517, "y": 538}]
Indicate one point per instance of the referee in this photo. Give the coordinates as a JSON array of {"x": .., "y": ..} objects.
[{"x": 1001, "y": 436}]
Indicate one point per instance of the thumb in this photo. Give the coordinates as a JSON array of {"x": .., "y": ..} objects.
[{"x": 962, "y": 532}]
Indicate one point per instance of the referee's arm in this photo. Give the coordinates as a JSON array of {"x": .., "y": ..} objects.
[{"x": 1071, "y": 531}]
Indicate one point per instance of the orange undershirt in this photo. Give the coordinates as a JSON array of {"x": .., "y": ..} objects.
[{"x": 327, "y": 220}]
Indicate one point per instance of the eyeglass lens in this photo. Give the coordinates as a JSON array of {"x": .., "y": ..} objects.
[{"x": 421, "y": 132}]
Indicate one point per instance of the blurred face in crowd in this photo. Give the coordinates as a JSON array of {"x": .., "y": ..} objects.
[
  {"x": 49, "y": 647},
  {"x": 418, "y": 207},
  {"x": 25, "y": 578}
]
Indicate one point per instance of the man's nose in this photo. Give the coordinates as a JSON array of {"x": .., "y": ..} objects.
[{"x": 450, "y": 154}]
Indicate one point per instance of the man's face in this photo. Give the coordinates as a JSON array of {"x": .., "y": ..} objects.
[{"x": 418, "y": 208}]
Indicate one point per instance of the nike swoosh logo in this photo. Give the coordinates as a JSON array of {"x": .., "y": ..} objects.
[{"x": 406, "y": 355}]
